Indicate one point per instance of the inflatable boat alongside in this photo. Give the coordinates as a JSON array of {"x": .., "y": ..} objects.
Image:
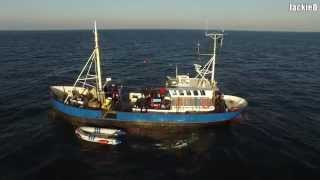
[
  {"x": 104, "y": 131},
  {"x": 184, "y": 102},
  {"x": 99, "y": 135}
]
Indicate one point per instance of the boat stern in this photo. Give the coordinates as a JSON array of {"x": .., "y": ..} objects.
[{"x": 235, "y": 103}]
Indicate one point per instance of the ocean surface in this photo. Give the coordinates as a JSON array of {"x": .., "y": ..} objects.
[{"x": 277, "y": 136}]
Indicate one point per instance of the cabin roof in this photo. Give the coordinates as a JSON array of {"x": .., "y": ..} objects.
[{"x": 182, "y": 81}]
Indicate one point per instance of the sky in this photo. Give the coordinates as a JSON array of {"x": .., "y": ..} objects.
[{"x": 261, "y": 15}]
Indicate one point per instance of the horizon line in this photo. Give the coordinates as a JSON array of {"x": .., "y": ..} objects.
[{"x": 192, "y": 29}]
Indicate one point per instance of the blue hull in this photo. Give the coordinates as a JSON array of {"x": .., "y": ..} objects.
[{"x": 150, "y": 117}]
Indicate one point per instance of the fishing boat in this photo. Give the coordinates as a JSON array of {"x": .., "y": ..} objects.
[
  {"x": 105, "y": 136},
  {"x": 183, "y": 102}
]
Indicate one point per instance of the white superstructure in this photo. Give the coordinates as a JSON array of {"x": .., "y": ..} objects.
[{"x": 189, "y": 94}]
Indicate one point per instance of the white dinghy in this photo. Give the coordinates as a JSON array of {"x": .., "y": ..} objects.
[
  {"x": 105, "y": 131},
  {"x": 97, "y": 136}
]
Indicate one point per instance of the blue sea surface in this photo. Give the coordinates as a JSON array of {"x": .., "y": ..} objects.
[{"x": 277, "y": 137}]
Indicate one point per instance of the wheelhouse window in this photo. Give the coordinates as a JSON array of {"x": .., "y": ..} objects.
[
  {"x": 188, "y": 92},
  {"x": 203, "y": 93},
  {"x": 181, "y": 92},
  {"x": 174, "y": 92},
  {"x": 195, "y": 93}
]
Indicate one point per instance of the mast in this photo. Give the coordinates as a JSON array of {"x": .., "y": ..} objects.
[
  {"x": 90, "y": 77},
  {"x": 97, "y": 52},
  {"x": 215, "y": 37},
  {"x": 209, "y": 67}
]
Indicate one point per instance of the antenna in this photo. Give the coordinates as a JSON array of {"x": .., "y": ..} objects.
[
  {"x": 198, "y": 48},
  {"x": 207, "y": 27},
  {"x": 176, "y": 70},
  {"x": 221, "y": 40}
]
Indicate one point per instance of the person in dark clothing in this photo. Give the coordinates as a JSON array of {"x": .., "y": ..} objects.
[
  {"x": 148, "y": 103},
  {"x": 141, "y": 103},
  {"x": 220, "y": 105},
  {"x": 108, "y": 91}
]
